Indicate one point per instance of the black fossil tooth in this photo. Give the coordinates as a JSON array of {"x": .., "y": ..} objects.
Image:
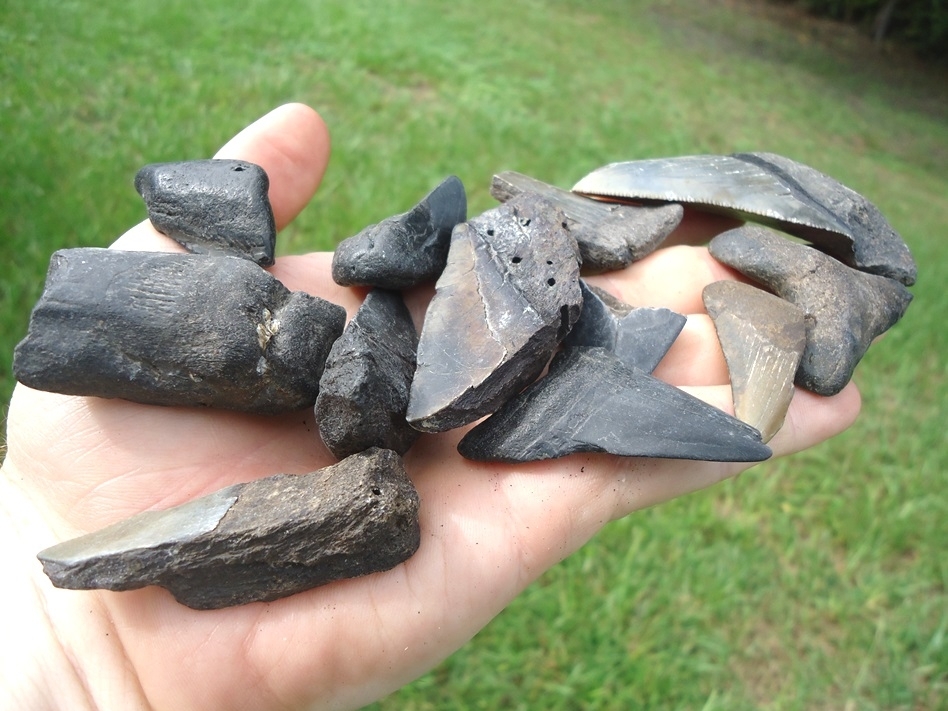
[
  {"x": 255, "y": 542},
  {"x": 773, "y": 190},
  {"x": 592, "y": 402},
  {"x": 640, "y": 337},
  {"x": 844, "y": 309},
  {"x": 406, "y": 249},
  {"x": 509, "y": 294},
  {"x": 609, "y": 236},
  {"x": 763, "y": 337},
  {"x": 363, "y": 393},
  {"x": 176, "y": 329},
  {"x": 211, "y": 206}
]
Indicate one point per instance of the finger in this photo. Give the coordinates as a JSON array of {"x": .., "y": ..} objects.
[
  {"x": 699, "y": 227},
  {"x": 312, "y": 273},
  {"x": 813, "y": 418},
  {"x": 672, "y": 278},
  {"x": 695, "y": 357},
  {"x": 291, "y": 143},
  {"x": 487, "y": 531}
]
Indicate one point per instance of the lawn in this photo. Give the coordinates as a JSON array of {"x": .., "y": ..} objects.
[{"x": 814, "y": 582}]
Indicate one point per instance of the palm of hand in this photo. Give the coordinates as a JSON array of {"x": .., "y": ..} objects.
[{"x": 78, "y": 464}]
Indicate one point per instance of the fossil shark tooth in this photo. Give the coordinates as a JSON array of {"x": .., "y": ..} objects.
[
  {"x": 211, "y": 206},
  {"x": 363, "y": 393},
  {"x": 640, "y": 337},
  {"x": 257, "y": 541},
  {"x": 844, "y": 309},
  {"x": 763, "y": 337},
  {"x": 610, "y": 236},
  {"x": 508, "y": 296},
  {"x": 772, "y": 190},
  {"x": 176, "y": 329},
  {"x": 407, "y": 249},
  {"x": 590, "y": 401}
]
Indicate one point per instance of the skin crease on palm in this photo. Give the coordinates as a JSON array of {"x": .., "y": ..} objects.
[{"x": 75, "y": 465}]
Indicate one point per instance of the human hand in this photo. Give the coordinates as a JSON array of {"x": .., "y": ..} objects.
[{"x": 77, "y": 464}]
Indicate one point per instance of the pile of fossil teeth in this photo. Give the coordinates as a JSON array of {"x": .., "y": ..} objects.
[{"x": 214, "y": 329}]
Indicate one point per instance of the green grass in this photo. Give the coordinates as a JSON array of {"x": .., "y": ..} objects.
[{"x": 814, "y": 582}]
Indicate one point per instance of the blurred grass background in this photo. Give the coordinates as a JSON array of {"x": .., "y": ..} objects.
[{"x": 815, "y": 582}]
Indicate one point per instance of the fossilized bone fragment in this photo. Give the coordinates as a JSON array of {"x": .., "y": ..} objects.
[
  {"x": 176, "y": 329},
  {"x": 406, "y": 249},
  {"x": 211, "y": 206},
  {"x": 363, "y": 393},
  {"x": 253, "y": 542}
]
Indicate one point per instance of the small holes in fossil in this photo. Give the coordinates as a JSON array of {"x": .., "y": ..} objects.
[
  {"x": 551, "y": 281},
  {"x": 516, "y": 260},
  {"x": 377, "y": 491},
  {"x": 490, "y": 232}
]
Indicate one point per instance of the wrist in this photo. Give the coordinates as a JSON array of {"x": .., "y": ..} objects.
[{"x": 52, "y": 636}]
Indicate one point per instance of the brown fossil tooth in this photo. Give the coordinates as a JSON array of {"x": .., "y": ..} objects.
[
  {"x": 772, "y": 190},
  {"x": 508, "y": 296},
  {"x": 763, "y": 337},
  {"x": 610, "y": 236},
  {"x": 844, "y": 309},
  {"x": 255, "y": 542},
  {"x": 176, "y": 329}
]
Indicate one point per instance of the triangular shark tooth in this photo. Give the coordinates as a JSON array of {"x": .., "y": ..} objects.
[
  {"x": 845, "y": 309},
  {"x": 640, "y": 337},
  {"x": 592, "y": 402},
  {"x": 772, "y": 190},
  {"x": 763, "y": 338},
  {"x": 508, "y": 296}
]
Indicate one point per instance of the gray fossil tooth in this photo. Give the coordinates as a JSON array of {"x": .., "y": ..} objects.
[
  {"x": 363, "y": 393},
  {"x": 845, "y": 309},
  {"x": 406, "y": 249},
  {"x": 176, "y": 329},
  {"x": 640, "y": 337},
  {"x": 211, "y": 206},
  {"x": 508, "y": 296},
  {"x": 592, "y": 402},
  {"x": 772, "y": 190},
  {"x": 610, "y": 236},
  {"x": 255, "y": 542},
  {"x": 763, "y": 337}
]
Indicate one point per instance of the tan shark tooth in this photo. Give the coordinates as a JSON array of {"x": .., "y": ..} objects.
[{"x": 763, "y": 338}]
